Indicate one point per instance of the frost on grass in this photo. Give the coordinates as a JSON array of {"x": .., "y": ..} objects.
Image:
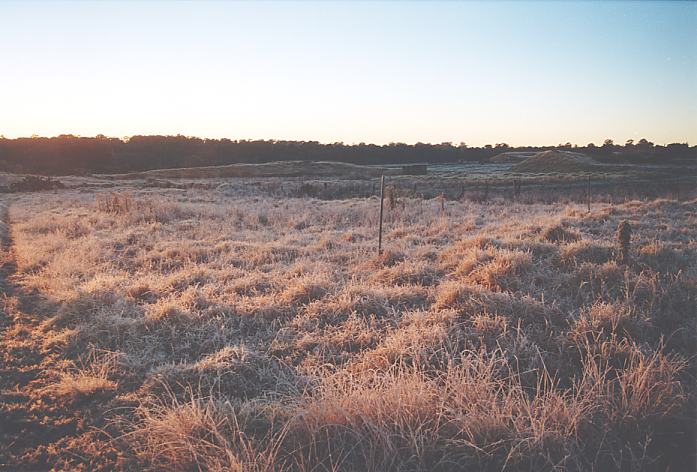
[{"x": 264, "y": 334}]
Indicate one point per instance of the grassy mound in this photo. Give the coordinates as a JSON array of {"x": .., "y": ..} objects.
[
  {"x": 557, "y": 161},
  {"x": 510, "y": 157},
  {"x": 269, "y": 169}
]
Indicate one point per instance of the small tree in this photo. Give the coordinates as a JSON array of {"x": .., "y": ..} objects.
[
  {"x": 391, "y": 196},
  {"x": 624, "y": 236}
]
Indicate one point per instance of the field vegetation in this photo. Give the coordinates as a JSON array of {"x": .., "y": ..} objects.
[
  {"x": 81, "y": 155},
  {"x": 302, "y": 169},
  {"x": 208, "y": 329}
]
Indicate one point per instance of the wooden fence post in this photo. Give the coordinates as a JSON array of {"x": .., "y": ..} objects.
[
  {"x": 589, "y": 193},
  {"x": 382, "y": 201}
]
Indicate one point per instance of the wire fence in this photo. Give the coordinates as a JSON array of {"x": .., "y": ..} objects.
[{"x": 527, "y": 191}]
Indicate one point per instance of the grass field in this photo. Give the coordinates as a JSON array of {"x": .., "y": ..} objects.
[{"x": 214, "y": 329}]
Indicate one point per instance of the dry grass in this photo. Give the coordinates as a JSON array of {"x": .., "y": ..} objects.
[
  {"x": 88, "y": 377},
  {"x": 558, "y": 233},
  {"x": 557, "y": 161},
  {"x": 266, "y": 334},
  {"x": 269, "y": 169}
]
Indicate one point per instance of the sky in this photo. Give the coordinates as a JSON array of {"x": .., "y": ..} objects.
[{"x": 524, "y": 73}]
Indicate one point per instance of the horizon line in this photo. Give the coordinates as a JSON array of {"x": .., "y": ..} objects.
[{"x": 126, "y": 138}]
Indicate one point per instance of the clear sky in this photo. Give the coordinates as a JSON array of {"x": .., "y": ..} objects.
[{"x": 519, "y": 72}]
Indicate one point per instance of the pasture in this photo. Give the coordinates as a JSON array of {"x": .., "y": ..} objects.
[{"x": 236, "y": 324}]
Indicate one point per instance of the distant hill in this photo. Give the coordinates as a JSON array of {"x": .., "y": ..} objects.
[
  {"x": 510, "y": 157},
  {"x": 269, "y": 169},
  {"x": 557, "y": 161},
  {"x": 75, "y": 155}
]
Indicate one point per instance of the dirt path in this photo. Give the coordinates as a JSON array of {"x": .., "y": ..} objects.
[{"x": 37, "y": 430}]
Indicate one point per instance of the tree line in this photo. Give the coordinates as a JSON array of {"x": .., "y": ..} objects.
[{"x": 68, "y": 154}]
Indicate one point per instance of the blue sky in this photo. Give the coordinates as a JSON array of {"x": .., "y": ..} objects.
[{"x": 478, "y": 72}]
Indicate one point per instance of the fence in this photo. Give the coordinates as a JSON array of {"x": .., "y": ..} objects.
[{"x": 528, "y": 191}]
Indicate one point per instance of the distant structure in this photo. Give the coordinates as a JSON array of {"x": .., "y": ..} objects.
[{"x": 415, "y": 169}]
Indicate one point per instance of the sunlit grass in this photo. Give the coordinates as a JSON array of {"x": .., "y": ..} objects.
[{"x": 257, "y": 333}]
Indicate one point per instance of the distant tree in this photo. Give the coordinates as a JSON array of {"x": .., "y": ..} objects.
[
  {"x": 629, "y": 143},
  {"x": 644, "y": 144},
  {"x": 608, "y": 143},
  {"x": 71, "y": 154}
]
